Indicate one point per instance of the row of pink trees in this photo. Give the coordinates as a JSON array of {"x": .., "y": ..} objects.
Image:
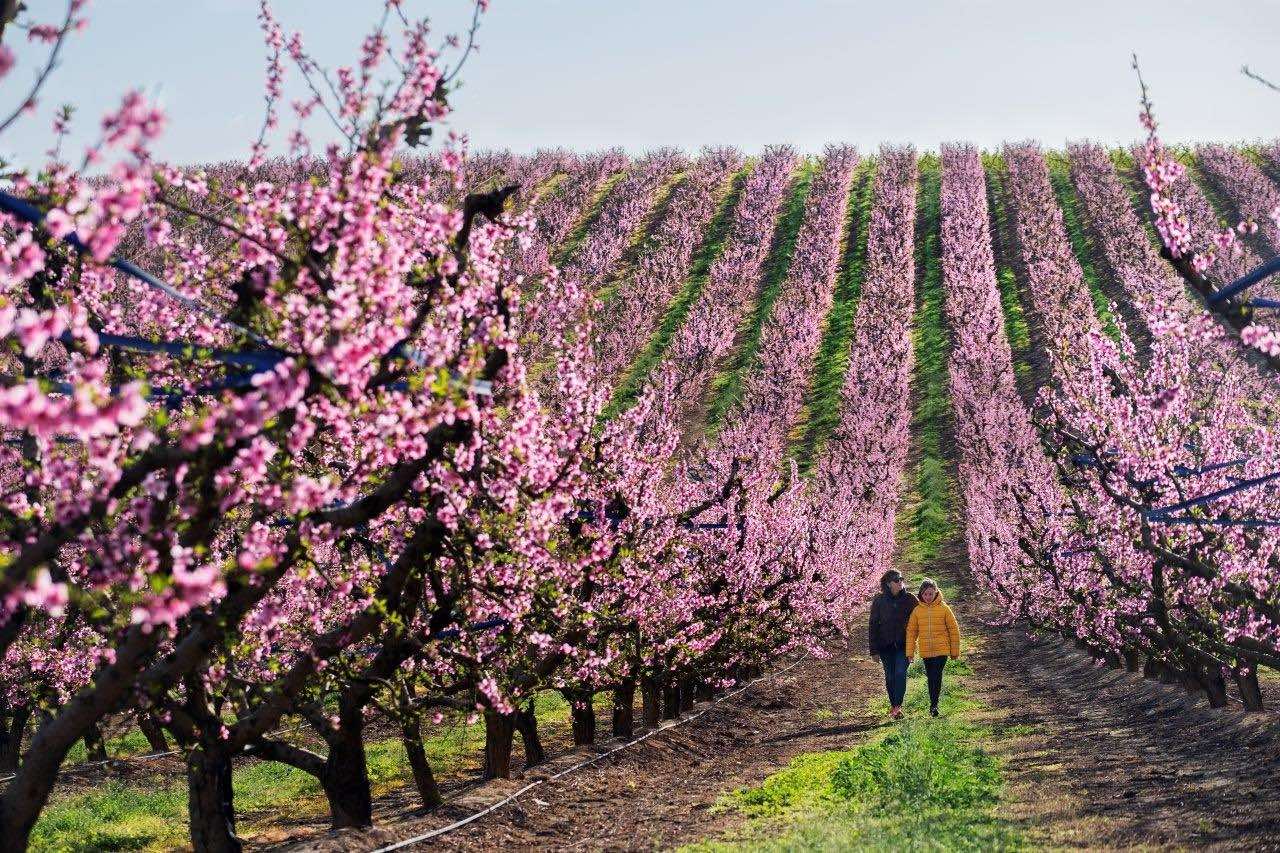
[
  {"x": 307, "y": 476},
  {"x": 682, "y": 625},
  {"x": 860, "y": 474},
  {"x": 1011, "y": 497},
  {"x": 1149, "y": 551},
  {"x": 632, "y": 314}
]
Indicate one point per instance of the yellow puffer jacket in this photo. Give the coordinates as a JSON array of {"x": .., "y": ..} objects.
[{"x": 934, "y": 625}]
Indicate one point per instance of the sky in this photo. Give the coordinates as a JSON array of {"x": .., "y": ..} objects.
[{"x": 590, "y": 74}]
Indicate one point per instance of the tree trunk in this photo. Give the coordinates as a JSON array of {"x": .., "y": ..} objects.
[
  {"x": 1164, "y": 673},
  {"x": 583, "y": 712},
  {"x": 95, "y": 747},
  {"x": 1246, "y": 676},
  {"x": 705, "y": 692},
  {"x": 12, "y": 729},
  {"x": 1215, "y": 686},
  {"x": 152, "y": 732},
  {"x": 671, "y": 700},
  {"x": 686, "y": 693},
  {"x": 210, "y": 806},
  {"x": 498, "y": 731},
  {"x": 1132, "y": 660},
  {"x": 650, "y": 701},
  {"x": 526, "y": 723},
  {"x": 1113, "y": 659},
  {"x": 346, "y": 773},
  {"x": 1151, "y": 668},
  {"x": 423, "y": 778},
  {"x": 624, "y": 697}
]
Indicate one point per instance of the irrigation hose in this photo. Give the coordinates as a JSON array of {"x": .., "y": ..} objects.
[{"x": 436, "y": 833}]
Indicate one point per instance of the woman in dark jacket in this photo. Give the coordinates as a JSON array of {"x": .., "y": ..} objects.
[{"x": 887, "y": 636}]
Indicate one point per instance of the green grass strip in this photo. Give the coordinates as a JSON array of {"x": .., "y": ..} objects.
[
  {"x": 1016, "y": 328},
  {"x": 726, "y": 390},
  {"x": 930, "y": 515},
  {"x": 1081, "y": 245},
  {"x": 152, "y": 815},
  {"x": 643, "y": 237},
  {"x": 821, "y": 413},
  {"x": 923, "y": 784},
  {"x": 712, "y": 245},
  {"x": 550, "y": 185},
  {"x": 578, "y": 233}
]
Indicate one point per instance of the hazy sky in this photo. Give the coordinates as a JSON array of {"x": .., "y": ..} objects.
[{"x": 593, "y": 73}]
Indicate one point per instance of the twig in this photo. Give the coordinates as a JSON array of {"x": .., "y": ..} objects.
[
  {"x": 1244, "y": 69},
  {"x": 43, "y": 76},
  {"x": 471, "y": 40}
]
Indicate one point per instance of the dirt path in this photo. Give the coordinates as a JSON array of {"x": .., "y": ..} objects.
[
  {"x": 658, "y": 793},
  {"x": 1114, "y": 761}
]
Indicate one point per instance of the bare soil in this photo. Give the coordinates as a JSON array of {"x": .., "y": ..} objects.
[
  {"x": 1115, "y": 761},
  {"x": 1094, "y": 759},
  {"x": 660, "y": 792}
]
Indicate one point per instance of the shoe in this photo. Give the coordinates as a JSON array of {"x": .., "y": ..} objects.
[
  {"x": 896, "y": 712},
  {"x": 933, "y": 710}
]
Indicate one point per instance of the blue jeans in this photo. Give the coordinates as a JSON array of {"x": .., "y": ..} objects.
[{"x": 895, "y": 674}]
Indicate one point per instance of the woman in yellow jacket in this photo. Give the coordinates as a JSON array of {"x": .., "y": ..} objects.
[{"x": 934, "y": 625}]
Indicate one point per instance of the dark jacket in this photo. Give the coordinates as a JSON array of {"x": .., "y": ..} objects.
[{"x": 889, "y": 615}]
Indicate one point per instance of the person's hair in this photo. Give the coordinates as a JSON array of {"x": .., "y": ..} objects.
[
  {"x": 891, "y": 575},
  {"x": 925, "y": 584}
]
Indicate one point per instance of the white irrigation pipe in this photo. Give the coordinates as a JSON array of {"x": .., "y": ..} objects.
[{"x": 435, "y": 833}]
